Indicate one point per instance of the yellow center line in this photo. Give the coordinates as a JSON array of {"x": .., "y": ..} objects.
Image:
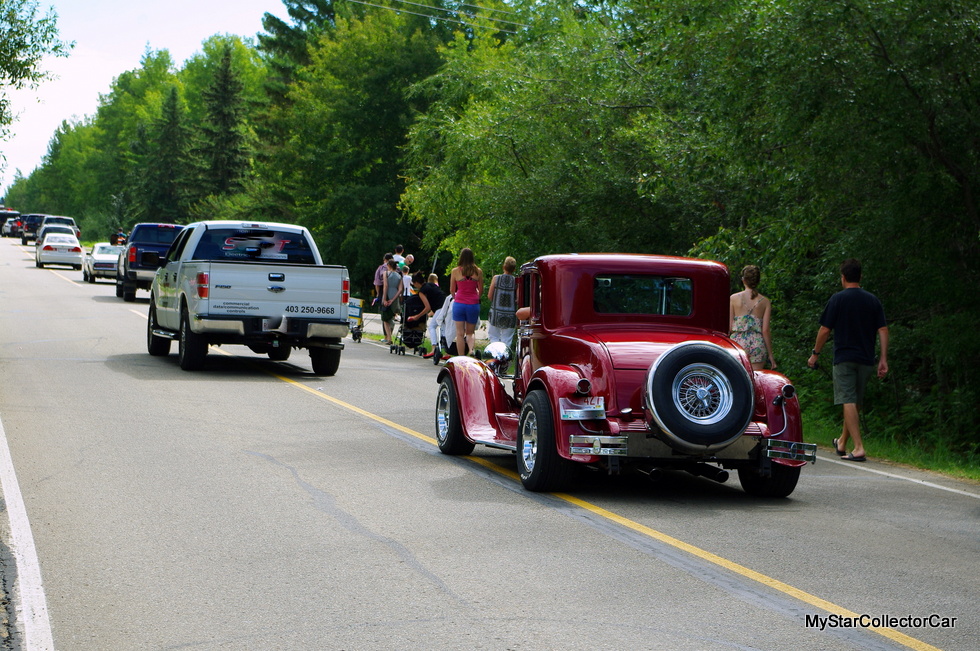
[
  {"x": 714, "y": 559},
  {"x": 63, "y": 277}
]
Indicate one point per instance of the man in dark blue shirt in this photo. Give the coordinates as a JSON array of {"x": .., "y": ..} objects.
[{"x": 854, "y": 316}]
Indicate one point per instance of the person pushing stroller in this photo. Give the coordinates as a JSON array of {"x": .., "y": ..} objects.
[{"x": 416, "y": 310}]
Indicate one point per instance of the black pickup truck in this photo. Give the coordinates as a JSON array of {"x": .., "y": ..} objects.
[
  {"x": 29, "y": 226},
  {"x": 132, "y": 272}
]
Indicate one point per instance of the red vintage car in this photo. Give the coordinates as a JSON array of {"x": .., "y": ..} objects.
[{"x": 623, "y": 363}]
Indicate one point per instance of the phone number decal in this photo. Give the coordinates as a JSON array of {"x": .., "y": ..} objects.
[{"x": 310, "y": 309}]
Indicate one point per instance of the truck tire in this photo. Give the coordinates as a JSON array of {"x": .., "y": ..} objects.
[
  {"x": 780, "y": 483},
  {"x": 191, "y": 348},
  {"x": 129, "y": 292},
  {"x": 539, "y": 465},
  {"x": 699, "y": 396},
  {"x": 325, "y": 361},
  {"x": 119, "y": 289},
  {"x": 449, "y": 428},
  {"x": 156, "y": 346}
]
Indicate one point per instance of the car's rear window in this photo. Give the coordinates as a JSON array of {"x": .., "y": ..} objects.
[
  {"x": 155, "y": 234},
  {"x": 60, "y": 239},
  {"x": 642, "y": 294},
  {"x": 254, "y": 244}
]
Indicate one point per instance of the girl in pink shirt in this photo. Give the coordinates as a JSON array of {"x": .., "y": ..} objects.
[{"x": 466, "y": 286}]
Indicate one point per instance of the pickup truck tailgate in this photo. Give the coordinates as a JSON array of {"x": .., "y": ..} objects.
[{"x": 276, "y": 290}]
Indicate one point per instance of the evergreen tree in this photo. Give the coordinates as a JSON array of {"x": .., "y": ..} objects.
[
  {"x": 165, "y": 168},
  {"x": 222, "y": 151}
]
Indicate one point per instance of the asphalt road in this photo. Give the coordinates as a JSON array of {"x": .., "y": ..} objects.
[{"x": 254, "y": 505}]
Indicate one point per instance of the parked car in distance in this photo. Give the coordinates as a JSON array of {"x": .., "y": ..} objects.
[
  {"x": 58, "y": 248},
  {"x": 623, "y": 364},
  {"x": 101, "y": 261},
  {"x": 132, "y": 272},
  {"x": 58, "y": 220},
  {"x": 11, "y": 227},
  {"x": 29, "y": 226},
  {"x": 8, "y": 218}
]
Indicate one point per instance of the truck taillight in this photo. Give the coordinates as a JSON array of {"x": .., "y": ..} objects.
[
  {"x": 345, "y": 292},
  {"x": 131, "y": 254},
  {"x": 203, "y": 289}
]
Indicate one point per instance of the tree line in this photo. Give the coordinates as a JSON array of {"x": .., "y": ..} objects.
[{"x": 785, "y": 133}]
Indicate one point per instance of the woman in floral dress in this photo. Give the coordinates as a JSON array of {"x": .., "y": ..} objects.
[{"x": 749, "y": 313}]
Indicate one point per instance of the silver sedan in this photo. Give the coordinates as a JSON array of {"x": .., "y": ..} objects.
[
  {"x": 101, "y": 262},
  {"x": 59, "y": 248}
]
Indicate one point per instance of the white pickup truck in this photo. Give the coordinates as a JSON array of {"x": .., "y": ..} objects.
[{"x": 262, "y": 285}]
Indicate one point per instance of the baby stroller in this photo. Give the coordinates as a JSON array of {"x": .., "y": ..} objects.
[
  {"x": 355, "y": 318},
  {"x": 411, "y": 334}
]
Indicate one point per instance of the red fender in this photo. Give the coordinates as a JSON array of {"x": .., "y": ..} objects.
[
  {"x": 769, "y": 385},
  {"x": 560, "y": 381},
  {"x": 487, "y": 412}
]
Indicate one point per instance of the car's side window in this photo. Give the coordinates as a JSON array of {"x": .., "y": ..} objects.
[{"x": 177, "y": 248}]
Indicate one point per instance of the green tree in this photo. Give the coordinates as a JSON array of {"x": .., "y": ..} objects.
[
  {"x": 530, "y": 146},
  {"x": 222, "y": 152},
  {"x": 348, "y": 121},
  {"x": 161, "y": 195},
  {"x": 134, "y": 101}
]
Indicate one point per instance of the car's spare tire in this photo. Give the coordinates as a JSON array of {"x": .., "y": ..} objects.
[{"x": 700, "y": 397}]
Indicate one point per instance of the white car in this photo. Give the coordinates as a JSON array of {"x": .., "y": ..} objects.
[
  {"x": 59, "y": 248},
  {"x": 101, "y": 262}
]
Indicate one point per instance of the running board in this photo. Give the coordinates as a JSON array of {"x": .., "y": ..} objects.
[{"x": 165, "y": 334}]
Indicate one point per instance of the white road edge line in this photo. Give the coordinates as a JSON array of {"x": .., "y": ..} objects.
[
  {"x": 860, "y": 466},
  {"x": 32, "y": 606}
]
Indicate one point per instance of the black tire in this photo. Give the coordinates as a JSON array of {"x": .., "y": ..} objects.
[
  {"x": 699, "y": 396},
  {"x": 191, "y": 348},
  {"x": 119, "y": 288},
  {"x": 325, "y": 361},
  {"x": 76, "y": 267},
  {"x": 449, "y": 428},
  {"x": 780, "y": 483},
  {"x": 156, "y": 346},
  {"x": 129, "y": 292},
  {"x": 280, "y": 354},
  {"x": 539, "y": 465}
]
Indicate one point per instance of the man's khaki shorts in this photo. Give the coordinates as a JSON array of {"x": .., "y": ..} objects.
[{"x": 850, "y": 378}]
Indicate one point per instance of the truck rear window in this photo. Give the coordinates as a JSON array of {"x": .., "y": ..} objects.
[
  {"x": 155, "y": 234},
  {"x": 642, "y": 294},
  {"x": 254, "y": 244}
]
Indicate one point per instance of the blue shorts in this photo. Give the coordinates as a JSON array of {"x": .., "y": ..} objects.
[{"x": 467, "y": 313}]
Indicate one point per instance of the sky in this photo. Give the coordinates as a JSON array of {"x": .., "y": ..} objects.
[{"x": 111, "y": 37}]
